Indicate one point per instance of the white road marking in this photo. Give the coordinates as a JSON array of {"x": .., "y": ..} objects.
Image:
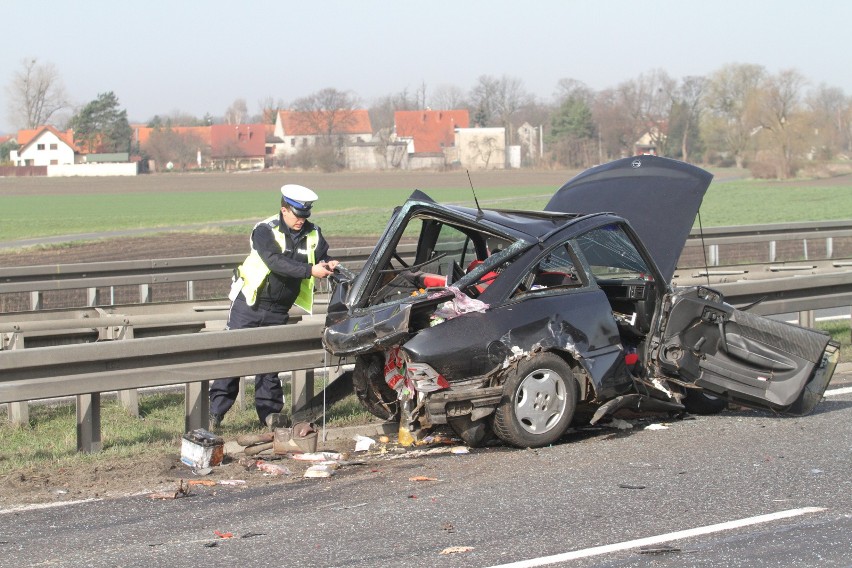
[
  {"x": 836, "y": 392},
  {"x": 651, "y": 540},
  {"x": 38, "y": 506}
]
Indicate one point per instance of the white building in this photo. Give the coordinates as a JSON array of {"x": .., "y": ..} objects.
[{"x": 47, "y": 147}]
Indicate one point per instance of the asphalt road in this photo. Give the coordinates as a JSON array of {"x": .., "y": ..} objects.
[{"x": 750, "y": 489}]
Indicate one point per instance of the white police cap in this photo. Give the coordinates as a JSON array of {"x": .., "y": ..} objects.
[{"x": 299, "y": 198}]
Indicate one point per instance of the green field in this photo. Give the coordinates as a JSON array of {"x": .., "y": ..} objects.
[{"x": 76, "y": 208}]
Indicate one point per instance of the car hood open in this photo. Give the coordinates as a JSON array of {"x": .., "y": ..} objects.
[{"x": 658, "y": 196}]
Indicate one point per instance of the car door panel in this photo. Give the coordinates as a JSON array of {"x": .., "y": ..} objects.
[{"x": 748, "y": 358}]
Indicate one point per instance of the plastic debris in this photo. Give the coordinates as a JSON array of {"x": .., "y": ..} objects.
[
  {"x": 232, "y": 482},
  {"x": 457, "y": 549},
  {"x": 422, "y": 478},
  {"x": 320, "y": 470},
  {"x": 656, "y": 427},
  {"x": 619, "y": 424},
  {"x": 220, "y": 534},
  {"x": 206, "y": 482},
  {"x": 363, "y": 443},
  {"x": 317, "y": 456},
  {"x": 272, "y": 468}
]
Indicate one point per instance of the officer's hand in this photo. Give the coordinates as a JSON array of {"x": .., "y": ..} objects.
[
  {"x": 320, "y": 270},
  {"x": 332, "y": 264}
]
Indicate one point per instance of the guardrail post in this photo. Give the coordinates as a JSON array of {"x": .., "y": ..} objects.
[
  {"x": 144, "y": 294},
  {"x": 36, "y": 301},
  {"x": 301, "y": 389},
  {"x": 89, "y": 423},
  {"x": 128, "y": 398},
  {"x": 771, "y": 251},
  {"x": 805, "y": 248},
  {"x": 196, "y": 405},
  {"x": 190, "y": 290},
  {"x": 829, "y": 247},
  {"x": 713, "y": 252},
  {"x": 806, "y": 318},
  {"x": 92, "y": 297},
  {"x": 240, "y": 401},
  {"x": 18, "y": 413}
]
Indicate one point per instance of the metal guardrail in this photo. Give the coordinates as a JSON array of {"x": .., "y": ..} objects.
[{"x": 86, "y": 370}]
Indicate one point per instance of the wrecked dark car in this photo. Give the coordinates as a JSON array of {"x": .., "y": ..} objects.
[{"x": 518, "y": 323}]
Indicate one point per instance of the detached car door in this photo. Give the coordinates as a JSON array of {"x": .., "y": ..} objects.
[{"x": 749, "y": 359}]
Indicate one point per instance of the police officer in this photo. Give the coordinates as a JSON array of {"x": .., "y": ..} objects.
[{"x": 288, "y": 253}]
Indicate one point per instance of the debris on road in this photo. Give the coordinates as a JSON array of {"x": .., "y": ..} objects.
[
  {"x": 273, "y": 468},
  {"x": 363, "y": 443},
  {"x": 181, "y": 491},
  {"x": 457, "y": 549},
  {"x": 201, "y": 448}
]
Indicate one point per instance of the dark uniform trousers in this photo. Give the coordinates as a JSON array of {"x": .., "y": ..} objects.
[{"x": 268, "y": 393}]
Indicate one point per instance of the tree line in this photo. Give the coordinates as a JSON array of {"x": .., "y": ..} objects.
[{"x": 740, "y": 114}]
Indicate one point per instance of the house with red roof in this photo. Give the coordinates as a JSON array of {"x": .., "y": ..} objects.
[
  {"x": 44, "y": 146},
  {"x": 430, "y": 131},
  {"x": 238, "y": 146},
  {"x": 297, "y": 129}
]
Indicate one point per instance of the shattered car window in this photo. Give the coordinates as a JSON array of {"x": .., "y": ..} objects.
[
  {"x": 611, "y": 254},
  {"x": 445, "y": 254}
]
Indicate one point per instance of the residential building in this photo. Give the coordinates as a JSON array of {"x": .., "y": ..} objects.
[
  {"x": 297, "y": 129},
  {"x": 44, "y": 146},
  {"x": 429, "y": 130}
]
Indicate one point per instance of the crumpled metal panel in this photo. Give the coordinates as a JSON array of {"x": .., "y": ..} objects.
[{"x": 370, "y": 331}]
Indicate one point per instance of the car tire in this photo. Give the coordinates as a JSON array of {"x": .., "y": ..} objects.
[
  {"x": 539, "y": 399},
  {"x": 372, "y": 390},
  {"x": 701, "y": 402}
]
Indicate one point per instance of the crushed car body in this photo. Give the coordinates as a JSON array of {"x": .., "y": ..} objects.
[{"x": 508, "y": 322}]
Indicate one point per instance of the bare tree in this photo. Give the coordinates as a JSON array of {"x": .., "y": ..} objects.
[
  {"x": 781, "y": 119},
  {"x": 328, "y": 112},
  {"x": 382, "y": 110},
  {"x": 237, "y": 113},
  {"x": 832, "y": 120},
  {"x": 36, "y": 93},
  {"x": 690, "y": 99},
  {"x": 447, "y": 97},
  {"x": 496, "y": 100},
  {"x": 269, "y": 108},
  {"x": 648, "y": 102},
  {"x": 731, "y": 98}
]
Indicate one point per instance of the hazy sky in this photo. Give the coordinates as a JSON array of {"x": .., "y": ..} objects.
[{"x": 199, "y": 56}]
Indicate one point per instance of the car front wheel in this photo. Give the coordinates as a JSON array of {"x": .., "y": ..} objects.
[{"x": 538, "y": 402}]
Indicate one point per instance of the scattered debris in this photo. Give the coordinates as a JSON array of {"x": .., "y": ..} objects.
[
  {"x": 181, "y": 491},
  {"x": 659, "y": 549},
  {"x": 321, "y": 470},
  {"x": 448, "y": 527},
  {"x": 457, "y": 549},
  {"x": 201, "y": 448},
  {"x": 619, "y": 424},
  {"x": 232, "y": 482},
  {"x": 363, "y": 443},
  {"x": 630, "y": 486},
  {"x": 656, "y": 426},
  {"x": 318, "y": 456},
  {"x": 206, "y": 482},
  {"x": 258, "y": 448},
  {"x": 220, "y": 534},
  {"x": 422, "y": 478},
  {"x": 273, "y": 468}
]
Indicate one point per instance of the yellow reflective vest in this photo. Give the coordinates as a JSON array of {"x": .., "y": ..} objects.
[{"x": 253, "y": 271}]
